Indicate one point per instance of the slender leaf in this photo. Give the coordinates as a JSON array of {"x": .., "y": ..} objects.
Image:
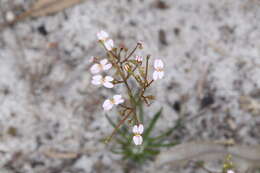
[
  {"x": 152, "y": 124},
  {"x": 141, "y": 112},
  {"x": 151, "y": 151},
  {"x": 168, "y": 132},
  {"x": 163, "y": 145},
  {"x": 116, "y": 152}
]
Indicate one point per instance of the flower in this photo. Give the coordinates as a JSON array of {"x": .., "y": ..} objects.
[
  {"x": 105, "y": 81},
  {"x": 109, "y": 103},
  {"x": 138, "y": 58},
  {"x": 230, "y": 171},
  {"x": 104, "y": 37},
  {"x": 158, "y": 66},
  {"x": 138, "y": 130},
  {"x": 109, "y": 44},
  {"x": 103, "y": 65}
]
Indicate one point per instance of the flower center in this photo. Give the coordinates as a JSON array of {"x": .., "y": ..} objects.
[
  {"x": 100, "y": 66},
  {"x": 159, "y": 69},
  {"x": 112, "y": 101}
]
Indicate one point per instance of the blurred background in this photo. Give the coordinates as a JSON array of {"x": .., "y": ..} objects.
[{"x": 51, "y": 118}]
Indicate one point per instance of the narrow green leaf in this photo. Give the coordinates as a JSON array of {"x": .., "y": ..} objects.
[
  {"x": 168, "y": 132},
  {"x": 121, "y": 141},
  {"x": 152, "y": 124},
  {"x": 151, "y": 151},
  {"x": 141, "y": 111},
  {"x": 110, "y": 121},
  {"x": 116, "y": 152},
  {"x": 163, "y": 145}
]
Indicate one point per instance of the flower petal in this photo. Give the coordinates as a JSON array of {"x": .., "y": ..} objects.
[
  {"x": 107, "y": 66},
  {"x": 230, "y": 171},
  {"x": 96, "y": 80},
  {"x": 140, "y": 129},
  {"x": 95, "y": 69},
  {"x": 158, "y": 64},
  {"x": 109, "y": 44},
  {"x": 155, "y": 75},
  {"x": 160, "y": 74},
  {"x": 103, "y": 62},
  {"x": 97, "y": 77},
  {"x": 108, "y": 85},
  {"x": 108, "y": 79},
  {"x": 135, "y": 129},
  {"x": 138, "y": 58},
  {"x": 138, "y": 140},
  {"x": 118, "y": 99},
  {"x": 102, "y": 35},
  {"x": 107, "y": 105}
]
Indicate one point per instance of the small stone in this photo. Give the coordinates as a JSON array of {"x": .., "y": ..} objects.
[
  {"x": 161, "y": 5},
  {"x": 177, "y": 106},
  {"x": 162, "y": 37},
  {"x": 207, "y": 101},
  {"x": 9, "y": 16},
  {"x": 12, "y": 131},
  {"x": 42, "y": 30}
]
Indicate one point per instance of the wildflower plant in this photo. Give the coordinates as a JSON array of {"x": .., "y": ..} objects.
[
  {"x": 150, "y": 144},
  {"x": 228, "y": 166},
  {"x": 127, "y": 66}
]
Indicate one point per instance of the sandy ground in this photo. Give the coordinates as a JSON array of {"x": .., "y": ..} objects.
[{"x": 212, "y": 54}]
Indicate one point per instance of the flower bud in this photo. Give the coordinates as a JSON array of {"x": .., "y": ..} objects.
[
  {"x": 128, "y": 67},
  {"x": 141, "y": 44}
]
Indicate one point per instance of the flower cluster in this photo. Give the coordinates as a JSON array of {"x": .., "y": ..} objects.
[{"x": 128, "y": 66}]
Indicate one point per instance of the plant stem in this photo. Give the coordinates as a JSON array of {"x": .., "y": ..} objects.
[
  {"x": 130, "y": 94},
  {"x": 118, "y": 126},
  {"x": 130, "y": 54},
  {"x": 146, "y": 67}
]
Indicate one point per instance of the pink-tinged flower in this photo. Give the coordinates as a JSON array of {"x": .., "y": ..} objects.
[
  {"x": 105, "y": 81},
  {"x": 230, "y": 171},
  {"x": 138, "y": 130},
  {"x": 103, "y": 65},
  {"x": 104, "y": 37},
  {"x": 109, "y": 103},
  {"x": 138, "y": 58},
  {"x": 109, "y": 44},
  {"x": 158, "y": 69}
]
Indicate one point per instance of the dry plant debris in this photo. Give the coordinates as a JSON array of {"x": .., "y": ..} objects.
[{"x": 40, "y": 8}]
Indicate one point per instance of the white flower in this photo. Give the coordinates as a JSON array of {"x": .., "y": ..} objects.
[
  {"x": 109, "y": 44},
  {"x": 138, "y": 58},
  {"x": 158, "y": 66},
  {"x": 230, "y": 171},
  {"x": 105, "y": 81},
  {"x": 103, "y": 65},
  {"x": 104, "y": 37},
  {"x": 138, "y": 130},
  {"x": 109, "y": 103}
]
